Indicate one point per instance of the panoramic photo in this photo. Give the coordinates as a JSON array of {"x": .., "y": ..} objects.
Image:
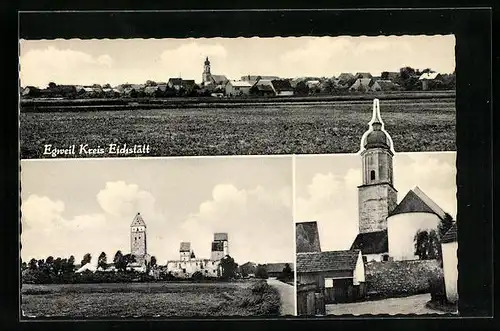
[
  {"x": 226, "y": 96},
  {"x": 157, "y": 237},
  {"x": 376, "y": 231}
]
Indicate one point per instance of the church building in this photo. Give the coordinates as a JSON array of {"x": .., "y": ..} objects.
[
  {"x": 212, "y": 81},
  {"x": 386, "y": 228}
]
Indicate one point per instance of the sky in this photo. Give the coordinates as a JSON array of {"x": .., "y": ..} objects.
[
  {"x": 71, "y": 207},
  {"x": 118, "y": 61},
  {"x": 326, "y": 189}
]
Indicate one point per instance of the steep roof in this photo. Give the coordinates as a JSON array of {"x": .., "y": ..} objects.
[
  {"x": 240, "y": 83},
  {"x": 429, "y": 75},
  {"x": 345, "y": 76},
  {"x": 363, "y": 75},
  {"x": 450, "y": 235},
  {"x": 220, "y": 236},
  {"x": 372, "y": 242},
  {"x": 219, "y": 78},
  {"x": 138, "y": 220},
  {"x": 417, "y": 201},
  {"x": 281, "y": 85},
  {"x": 277, "y": 267},
  {"x": 185, "y": 247},
  {"x": 387, "y": 84},
  {"x": 327, "y": 261},
  {"x": 175, "y": 81},
  {"x": 307, "y": 237}
]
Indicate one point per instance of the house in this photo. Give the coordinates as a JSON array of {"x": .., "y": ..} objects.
[
  {"x": 345, "y": 80},
  {"x": 282, "y": 87},
  {"x": 449, "y": 247},
  {"x": 373, "y": 245},
  {"x": 275, "y": 269},
  {"x": 263, "y": 88},
  {"x": 428, "y": 77},
  {"x": 365, "y": 85},
  {"x": 340, "y": 275},
  {"x": 237, "y": 88},
  {"x": 175, "y": 83},
  {"x": 248, "y": 268},
  {"x": 388, "y": 85},
  {"x": 252, "y": 79},
  {"x": 363, "y": 75},
  {"x": 313, "y": 84},
  {"x": 307, "y": 237},
  {"x": 416, "y": 212}
]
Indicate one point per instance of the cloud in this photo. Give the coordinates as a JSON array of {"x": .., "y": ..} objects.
[
  {"x": 122, "y": 199},
  {"x": 331, "y": 200},
  {"x": 41, "y": 66},
  {"x": 48, "y": 232},
  {"x": 258, "y": 222}
]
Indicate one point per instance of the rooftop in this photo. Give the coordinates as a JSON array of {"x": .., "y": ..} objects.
[
  {"x": 372, "y": 242},
  {"x": 327, "y": 261},
  {"x": 417, "y": 201},
  {"x": 450, "y": 235}
]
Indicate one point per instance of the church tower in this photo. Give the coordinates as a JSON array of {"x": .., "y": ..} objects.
[
  {"x": 207, "y": 76},
  {"x": 138, "y": 246},
  {"x": 377, "y": 196}
]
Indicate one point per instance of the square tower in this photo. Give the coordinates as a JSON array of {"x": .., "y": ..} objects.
[
  {"x": 185, "y": 251},
  {"x": 220, "y": 246},
  {"x": 138, "y": 241}
]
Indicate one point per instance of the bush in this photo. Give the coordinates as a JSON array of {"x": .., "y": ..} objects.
[{"x": 261, "y": 272}]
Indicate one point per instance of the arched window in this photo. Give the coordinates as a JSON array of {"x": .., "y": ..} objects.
[{"x": 372, "y": 175}]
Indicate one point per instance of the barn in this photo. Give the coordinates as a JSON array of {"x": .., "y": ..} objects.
[
  {"x": 275, "y": 269},
  {"x": 340, "y": 275}
]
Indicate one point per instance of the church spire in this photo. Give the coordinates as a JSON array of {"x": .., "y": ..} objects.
[{"x": 376, "y": 113}]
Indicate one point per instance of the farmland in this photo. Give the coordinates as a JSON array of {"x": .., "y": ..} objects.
[
  {"x": 162, "y": 299},
  {"x": 417, "y": 125}
]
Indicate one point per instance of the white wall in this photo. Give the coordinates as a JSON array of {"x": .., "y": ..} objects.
[
  {"x": 359, "y": 272},
  {"x": 285, "y": 93},
  {"x": 210, "y": 268},
  {"x": 450, "y": 270},
  {"x": 401, "y": 230}
]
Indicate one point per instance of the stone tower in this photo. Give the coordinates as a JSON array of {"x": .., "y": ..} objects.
[
  {"x": 207, "y": 76},
  {"x": 377, "y": 196},
  {"x": 185, "y": 251},
  {"x": 220, "y": 246},
  {"x": 138, "y": 241}
]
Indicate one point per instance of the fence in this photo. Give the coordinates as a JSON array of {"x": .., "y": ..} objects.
[{"x": 310, "y": 300}]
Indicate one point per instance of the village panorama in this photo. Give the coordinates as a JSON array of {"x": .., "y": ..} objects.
[{"x": 246, "y": 289}]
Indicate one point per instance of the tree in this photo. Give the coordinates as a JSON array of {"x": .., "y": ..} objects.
[
  {"x": 71, "y": 264},
  {"x": 52, "y": 85},
  {"x": 41, "y": 263},
  {"x": 102, "y": 261},
  {"x": 153, "y": 261},
  {"x": 301, "y": 88},
  {"x": 86, "y": 259},
  {"x": 58, "y": 266},
  {"x": 118, "y": 261},
  {"x": 228, "y": 267},
  {"x": 261, "y": 272},
  {"x": 427, "y": 245},
  {"x": 24, "y": 266},
  {"x": 286, "y": 273},
  {"x": 32, "y": 264},
  {"x": 197, "y": 276}
]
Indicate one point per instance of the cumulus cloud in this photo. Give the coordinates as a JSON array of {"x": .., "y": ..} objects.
[
  {"x": 121, "y": 199},
  {"x": 331, "y": 200},
  {"x": 258, "y": 222},
  {"x": 47, "y": 232},
  {"x": 41, "y": 66}
]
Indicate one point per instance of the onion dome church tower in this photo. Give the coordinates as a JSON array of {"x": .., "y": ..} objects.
[
  {"x": 377, "y": 195},
  {"x": 138, "y": 246},
  {"x": 207, "y": 75}
]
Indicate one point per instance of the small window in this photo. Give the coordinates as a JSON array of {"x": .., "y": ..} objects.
[
  {"x": 385, "y": 258},
  {"x": 328, "y": 282},
  {"x": 365, "y": 259},
  {"x": 206, "y": 271},
  {"x": 372, "y": 175},
  {"x": 135, "y": 238}
]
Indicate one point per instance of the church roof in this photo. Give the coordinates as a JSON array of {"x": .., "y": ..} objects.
[
  {"x": 307, "y": 237},
  {"x": 372, "y": 242},
  {"x": 376, "y": 137},
  {"x": 185, "y": 247},
  {"x": 138, "y": 220},
  {"x": 327, "y": 261},
  {"x": 450, "y": 235},
  {"x": 417, "y": 201}
]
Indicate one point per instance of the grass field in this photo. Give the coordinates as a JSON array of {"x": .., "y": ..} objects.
[
  {"x": 245, "y": 298},
  {"x": 415, "y": 125}
]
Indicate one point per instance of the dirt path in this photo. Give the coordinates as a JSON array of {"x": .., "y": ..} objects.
[
  {"x": 409, "y": 305},
  {"x": 287, "y": 296}
]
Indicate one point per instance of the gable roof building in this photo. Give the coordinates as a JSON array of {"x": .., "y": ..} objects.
[
  {"x": 365, "y": 85},
  {"x": 416, "y": 201},
  {"x": 429, "y": 76},
  {"x": 313, "y": 262},
  {"x": 372, "y": 243}
]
